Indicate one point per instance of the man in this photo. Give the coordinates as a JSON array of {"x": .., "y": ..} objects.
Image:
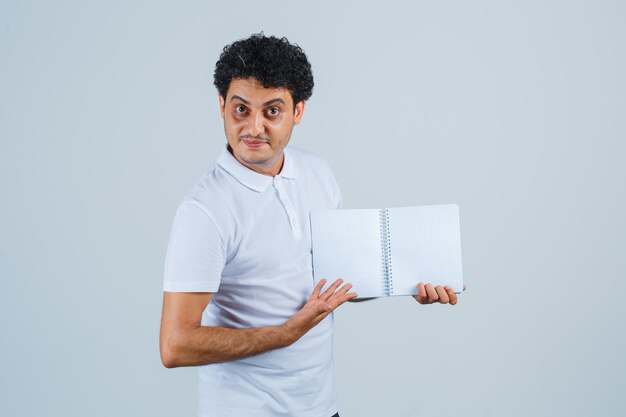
[{"x": 239, "y": 298}]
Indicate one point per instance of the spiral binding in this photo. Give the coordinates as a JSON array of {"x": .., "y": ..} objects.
[{"x": 385, "y": 237}]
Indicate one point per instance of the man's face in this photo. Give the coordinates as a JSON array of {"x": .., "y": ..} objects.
[{"x": 258, "y": 122}]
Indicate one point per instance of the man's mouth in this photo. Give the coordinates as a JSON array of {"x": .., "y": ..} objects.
[{"x": 253, "y": 143}]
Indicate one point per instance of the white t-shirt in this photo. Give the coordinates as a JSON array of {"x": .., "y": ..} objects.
[{"x": 246, "y": 238}]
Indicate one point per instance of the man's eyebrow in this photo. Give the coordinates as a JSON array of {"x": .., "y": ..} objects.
[
  {"x": 275, "y": 100},
  {"x": 267, "y": 103},
  {"x": 240, "y": 99}
]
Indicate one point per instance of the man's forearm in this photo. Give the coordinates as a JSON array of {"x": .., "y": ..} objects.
[
  {"x": 203, "y": 345},
  {"x": 184, "y": 342}
]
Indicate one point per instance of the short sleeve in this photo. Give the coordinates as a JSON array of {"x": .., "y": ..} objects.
[{"x": 196, "y": 253}]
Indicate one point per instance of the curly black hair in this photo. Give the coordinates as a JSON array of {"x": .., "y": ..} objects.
[{"x": 272, "y": 61}]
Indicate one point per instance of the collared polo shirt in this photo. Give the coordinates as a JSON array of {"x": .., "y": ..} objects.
[{"x": 246, "y": 238}]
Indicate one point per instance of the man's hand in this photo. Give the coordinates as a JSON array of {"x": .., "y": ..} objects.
[
  {"x": 317, "y": 308},
  {"x": 427, "y": 294}
]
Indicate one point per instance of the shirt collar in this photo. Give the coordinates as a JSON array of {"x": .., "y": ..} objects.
[{"x": 251, "y": 179}]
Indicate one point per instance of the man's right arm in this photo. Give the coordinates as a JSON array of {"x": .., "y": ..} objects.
[{"x": 184, "y": 342}]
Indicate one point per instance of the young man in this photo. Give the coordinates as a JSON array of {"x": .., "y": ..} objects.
[{"x": 239, "y": 298}]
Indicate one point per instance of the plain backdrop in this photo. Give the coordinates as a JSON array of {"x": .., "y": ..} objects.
[{"x": 514, "y": 110}]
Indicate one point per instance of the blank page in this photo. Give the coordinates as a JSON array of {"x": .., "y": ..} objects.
[
  {"x": 346, "y": 244},
  {"x": 425, "y": 247}
]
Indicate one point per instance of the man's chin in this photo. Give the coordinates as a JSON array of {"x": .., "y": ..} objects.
[
  {"x": 254, "y": 158},
  {"x": 260, "y": 162}
]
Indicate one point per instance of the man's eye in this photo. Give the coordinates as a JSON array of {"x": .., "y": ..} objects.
[
  {"x": 240, "y": 109},
  {"x": 273, "y": 111}
]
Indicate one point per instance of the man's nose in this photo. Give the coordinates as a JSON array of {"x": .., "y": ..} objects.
[{"x": 257, "y": 124}]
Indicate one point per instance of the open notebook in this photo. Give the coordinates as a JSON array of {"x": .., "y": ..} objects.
[{"x": 386, "y": 252}]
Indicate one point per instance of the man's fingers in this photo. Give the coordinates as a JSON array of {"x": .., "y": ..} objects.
[
  {"x": 343, "y": 290},
  {"x": 427, "y": 294},
  {"x": 339, "y": 297},
  {"x": 451, "y": 295},
  {"x": 316, "y": 291},
  {"x": 442, "y": 294},
  {"x": 329, "y": 299},
  {"x": 421, "y": 296},
  {"x": 432, "y": 294},
  {"x": 339, "y": 300},
  {"x": 331, "y": 290},
  {"x": 421, "y": 290}
]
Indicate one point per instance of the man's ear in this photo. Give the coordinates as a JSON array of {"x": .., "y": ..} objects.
[
  {"x": 298, "y": 111},
  {"x": 222, "y": 103}
]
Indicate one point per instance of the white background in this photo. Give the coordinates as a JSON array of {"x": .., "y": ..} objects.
[{"x": 513, "y": 110}]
